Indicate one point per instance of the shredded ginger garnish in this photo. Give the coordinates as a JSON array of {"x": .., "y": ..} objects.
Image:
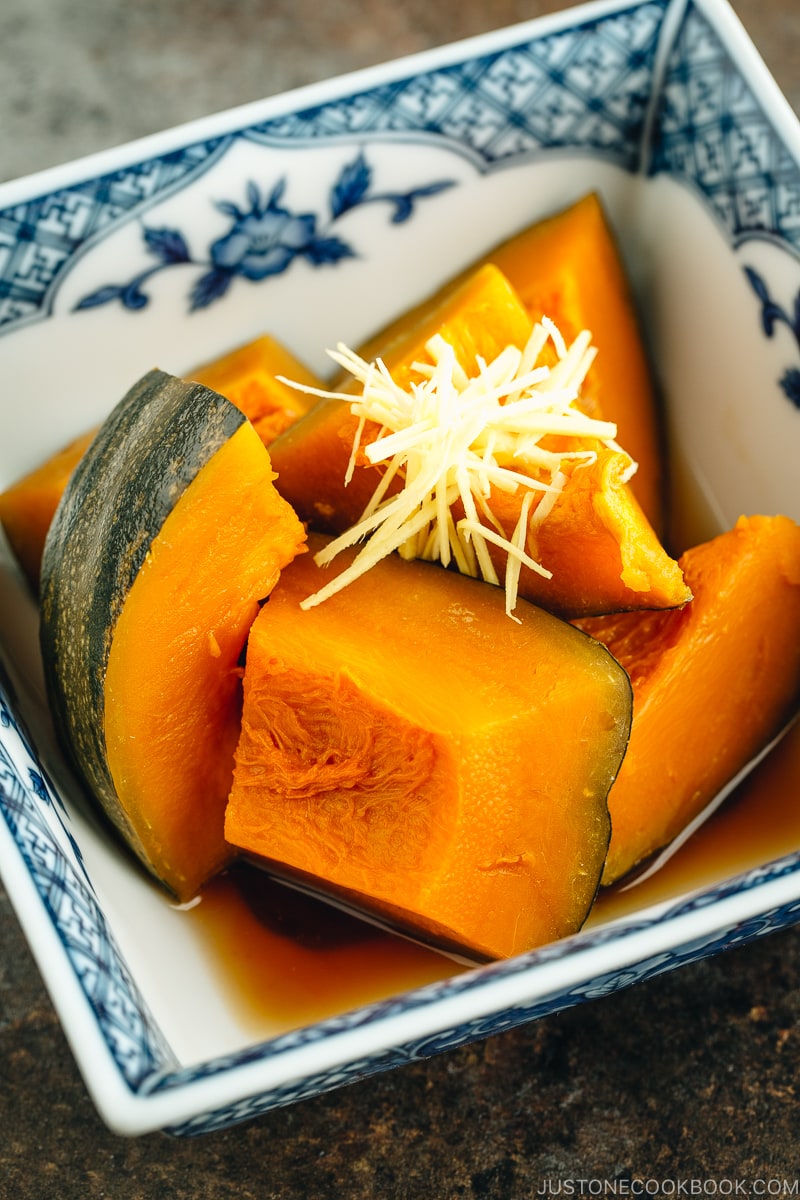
[{"x": 454, "y": 439}]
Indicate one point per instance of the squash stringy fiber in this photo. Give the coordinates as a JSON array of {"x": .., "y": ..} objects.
[{"x": 452, "y": 439}]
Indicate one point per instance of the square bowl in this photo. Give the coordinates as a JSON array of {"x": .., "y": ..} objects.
[{"x": 111, "y": 265}]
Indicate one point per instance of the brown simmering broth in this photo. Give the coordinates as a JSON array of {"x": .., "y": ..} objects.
[
  {"x": 759, "y": 822},
  {"x": 291, "y": 960}
]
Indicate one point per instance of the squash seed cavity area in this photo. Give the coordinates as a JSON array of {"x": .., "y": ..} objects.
[{"x": 341, "y": 781}]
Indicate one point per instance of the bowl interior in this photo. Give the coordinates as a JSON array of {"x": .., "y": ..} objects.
[{"x": 397, "y": 209}]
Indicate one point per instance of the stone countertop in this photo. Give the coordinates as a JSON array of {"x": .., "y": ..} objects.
[{"x": 688, "y": 1077}]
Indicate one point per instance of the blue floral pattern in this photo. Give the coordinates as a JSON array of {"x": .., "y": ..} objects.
[
  {"x": 584, "y": 89},
  {"x": 773, "y": 314},
  {"x": 712, "y": 133},
  {"x": 264, "y": 238}
]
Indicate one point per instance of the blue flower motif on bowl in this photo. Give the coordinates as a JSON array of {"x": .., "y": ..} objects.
[
  {"x": 773, "y": 314},
  {"x": 264, "y": 239},
  {"x": 652, "y": 88}
]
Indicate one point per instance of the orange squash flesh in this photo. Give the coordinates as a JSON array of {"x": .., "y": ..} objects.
[
  {"x": 248, "y": 378},
  {"x": 408, "y": 749},
  {"x": 479, "y": 318},
  {"x": 173, "y": 680},
  {"x": 28, "y": 505},
  {"x": 598, "y": 543},
  {"x": 168, "y": 536},
  {"x": 601, "y": 549},
  {"x": 712, "y": 682},
  {"x": 568, "y": 267}
]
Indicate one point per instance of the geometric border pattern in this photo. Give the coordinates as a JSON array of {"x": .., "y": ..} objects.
[
  {"x": 40, "y": 827},
  {"x": 585, "y": 88},
  {"x": 41, "y": 238},
  {"x": 722, "y": 938},
  {"x": 582, "y": 89},
  {"x": 711, "y": 132}
]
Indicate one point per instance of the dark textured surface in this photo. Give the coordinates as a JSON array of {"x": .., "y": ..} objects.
[{"x": 690, "y": 1077}]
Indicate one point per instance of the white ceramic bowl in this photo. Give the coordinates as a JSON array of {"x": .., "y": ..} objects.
[{"x": 111, "y": 265}]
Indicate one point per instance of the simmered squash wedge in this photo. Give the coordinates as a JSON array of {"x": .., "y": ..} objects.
[
  {"x": 28, "y": 505},
  {"x": 568, "y": 267},
  {"x": 481, "y": 317},
  {"x": 247, "y": 376},
  {"x": 712, "y": 682},
  {"x": 601, "y": 549},
  {"x": 589, "y": 550},
  {"x": 411, "y": 752},
  {"x": 250, "y": 377},
  {"x": 168, "y": 536}
]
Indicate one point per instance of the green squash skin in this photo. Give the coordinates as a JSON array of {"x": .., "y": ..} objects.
[{"x": 146, "y": 454}]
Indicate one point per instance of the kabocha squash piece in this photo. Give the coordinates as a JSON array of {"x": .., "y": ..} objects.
[
  {"x": 411, "y": 752},
  {"x": 169, "y": 534},
  {"x": 479, "y": 318},
  {"x": 249, "y": 378},
  {"x": 27, "y": 506},
  {"x": 602, "y": 551},
  {"x": 712, "y": 683},
  {"x": 598, "y": 550},
  {"x": 568, "y": 267},
  {"x": 246, "y": 376}
]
